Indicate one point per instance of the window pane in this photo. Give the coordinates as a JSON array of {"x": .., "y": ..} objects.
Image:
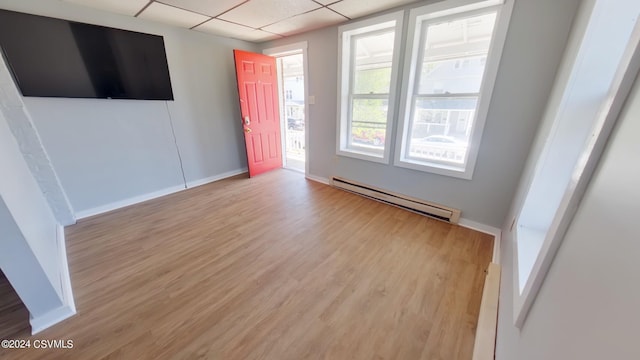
[
  {"x": 373, "y": 63},
  {"x": 369, "y": 123},
  {"x": 441, "y": 129},
  {"x": 455, "y": 53}
]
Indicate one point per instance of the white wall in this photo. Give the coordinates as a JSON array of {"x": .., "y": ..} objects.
[
  {"x": 587, "y": 307},
  {"x": 531, "y": 57},
  {"x": 23, "y": 270},
  {"x": 108, "y": 151},
  {"x": 36, "y": 157},
  {"x": 32, "y": 251},
  {"x": 577, "y": 102},
  {"x": 28, "y": 207},
  {"x": 555, "y": 326},
  {"x": 591, "y": 78}
]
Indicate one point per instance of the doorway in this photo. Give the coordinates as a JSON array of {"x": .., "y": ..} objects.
[
  {"x": 292, "y": 84},
  {"x": 291, "y": 76}
]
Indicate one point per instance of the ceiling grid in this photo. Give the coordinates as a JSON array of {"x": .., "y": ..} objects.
[{"x": 250, "y": 20}]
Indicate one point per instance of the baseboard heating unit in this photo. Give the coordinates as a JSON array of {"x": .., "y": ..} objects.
[{"x": 402, "y": 201}]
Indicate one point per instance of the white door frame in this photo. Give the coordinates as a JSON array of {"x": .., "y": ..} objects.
[{"x": 292, "y": 49}]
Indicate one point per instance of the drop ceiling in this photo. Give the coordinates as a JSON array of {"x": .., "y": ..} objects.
[{"x": 250, "y": 20}]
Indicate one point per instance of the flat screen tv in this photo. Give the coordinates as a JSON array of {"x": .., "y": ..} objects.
[{"x": 58, "y": 58}]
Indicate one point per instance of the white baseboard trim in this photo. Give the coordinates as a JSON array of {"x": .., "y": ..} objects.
[
  {"x": 487, "y": 229},
  {"x": 127, "y": 202},
  {"x": 51, "y": 318},
  {"x": 319, "y": 179},
  {"x": 210, "y": 179},
  {"x": 153, "y": 195}
]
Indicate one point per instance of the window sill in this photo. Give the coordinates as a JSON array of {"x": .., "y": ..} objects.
[
  {"x": 363, "y": 155},
  {"x": 435, "y": 168},
  {"x": 529, "y": 243},
  {"x": 529, "y": 252}
]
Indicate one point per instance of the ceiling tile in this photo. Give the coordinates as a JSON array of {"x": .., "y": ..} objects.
[
  {"x": 326, "y": 2},
  {"x": 259, "y": 36},
  {"x": 224, "y": 28},
  {"x": 358, "y": 8},
  {"x": 172, "y": 15},
  {"x": 258, "y": 13},
  {"x": 206, "y": 7},
  {"x": 305, "y": 22},
  {"x": 126, "y": 7}
]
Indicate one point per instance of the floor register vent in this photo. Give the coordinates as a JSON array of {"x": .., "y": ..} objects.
[{"x": 402, "y": 201}]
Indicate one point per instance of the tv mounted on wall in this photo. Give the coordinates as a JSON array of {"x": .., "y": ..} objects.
[{"x": 58, "y": 58}]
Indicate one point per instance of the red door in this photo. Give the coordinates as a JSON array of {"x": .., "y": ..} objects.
[{"x": 258, "y": 90}]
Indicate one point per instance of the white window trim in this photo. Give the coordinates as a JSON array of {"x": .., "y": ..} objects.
[
  {"x": 438, "y": 11},
  {"x": 611, "y": 108},
  {"x": 344, "y": 72}
]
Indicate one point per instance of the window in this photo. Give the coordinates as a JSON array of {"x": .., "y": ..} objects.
[
  {"x": 449, "y": 79},
  {"x": 583, "y": 110},
  {"x": 369, "y": 65}
]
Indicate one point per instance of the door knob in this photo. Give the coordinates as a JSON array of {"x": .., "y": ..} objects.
[{"x": 247, "y": 121}]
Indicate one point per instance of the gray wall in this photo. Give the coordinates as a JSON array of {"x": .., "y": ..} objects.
[
  {"x": 23, "y": 270},
  {"x": 28, "y": 232},
  {"x": 587, "y": 307},
  {"x": 533, "y": 49},
  {"x": 105, "y": 151},
  {"x": 12, "y": 109},
  {"x": 27, "y": 204}
]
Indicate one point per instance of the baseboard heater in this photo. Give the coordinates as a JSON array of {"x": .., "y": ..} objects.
[{"x": 402, "y": 201}]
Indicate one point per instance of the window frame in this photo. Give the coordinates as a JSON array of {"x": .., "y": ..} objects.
[
  {"x": 419, "y": 19},
  {"x": 615, "y": 82},
  {"x": 346, "y": 81}
]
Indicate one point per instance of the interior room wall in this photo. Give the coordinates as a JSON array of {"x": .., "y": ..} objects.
[
  {"x": 28, "y": 233},
  {"x": 108, "y": 151},
  {"x": 23, "y": 270},
  {"x": 13, "y": 111},
  {"x": 534, "y": 46},
  {"x": 587, "y": 307}
]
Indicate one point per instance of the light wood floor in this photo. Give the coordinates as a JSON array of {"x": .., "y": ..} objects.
[
  {"x": 14, "y": 316},
  {"x": 274, "y": 267}
]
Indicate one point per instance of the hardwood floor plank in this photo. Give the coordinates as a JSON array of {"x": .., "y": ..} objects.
[
  {"x": 14, "y": 316},
  {"x": 272, "y": 267}
]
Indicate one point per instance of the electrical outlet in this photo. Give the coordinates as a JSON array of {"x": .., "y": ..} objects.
[{"x": 311, "y": 100}]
